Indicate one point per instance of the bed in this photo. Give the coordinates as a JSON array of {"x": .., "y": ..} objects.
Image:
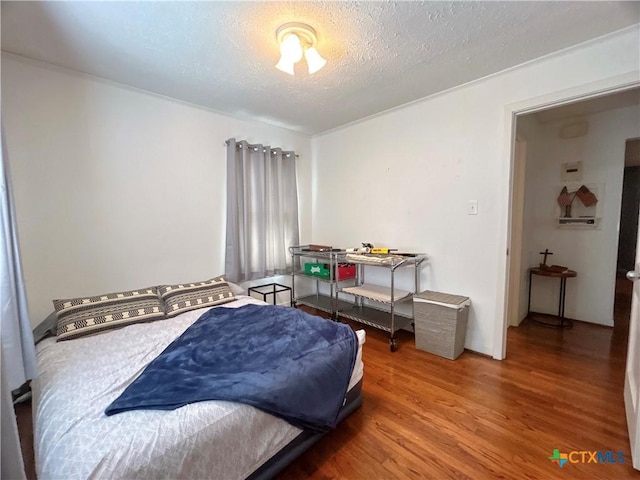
[{"x": 73, "y": 438}]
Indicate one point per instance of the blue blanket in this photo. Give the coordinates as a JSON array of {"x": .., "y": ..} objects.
[{"x": 284, "y": 361}]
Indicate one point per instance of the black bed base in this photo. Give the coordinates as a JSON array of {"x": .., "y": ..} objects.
[{"x": 306, "y": 439}]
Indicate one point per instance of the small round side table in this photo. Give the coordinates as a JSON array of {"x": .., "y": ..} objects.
[{"x": 564, "y": 322}]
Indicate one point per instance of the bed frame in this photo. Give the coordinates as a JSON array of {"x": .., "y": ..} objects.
[{"x": 305, "y": 440}]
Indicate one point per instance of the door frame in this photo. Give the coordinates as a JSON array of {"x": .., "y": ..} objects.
[
  {"x": 514, "y": 256},
  {"x": 587, "y": 91}
]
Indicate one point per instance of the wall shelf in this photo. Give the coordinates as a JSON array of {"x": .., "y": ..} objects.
[{"x": 578, "y": 223}]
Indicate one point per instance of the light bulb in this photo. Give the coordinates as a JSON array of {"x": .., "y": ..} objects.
[
  {"x": 314, "y": 61},
  {"x": 285, "y": 66},
  {"x": 290, "y": 48},
  {"x": 290, "y": 53}
]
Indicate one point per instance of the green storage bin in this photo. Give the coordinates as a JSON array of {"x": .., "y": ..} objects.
[{"x": 317, "y": 269}]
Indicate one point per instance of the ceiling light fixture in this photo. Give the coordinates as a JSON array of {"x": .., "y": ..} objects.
[{"x": 296, "y": 39}]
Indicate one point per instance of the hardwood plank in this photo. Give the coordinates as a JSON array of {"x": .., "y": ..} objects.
[{"x": 428, "y": 417}]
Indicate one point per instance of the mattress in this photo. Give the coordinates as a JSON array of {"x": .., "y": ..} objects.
[{"x": 73, "y": 438}]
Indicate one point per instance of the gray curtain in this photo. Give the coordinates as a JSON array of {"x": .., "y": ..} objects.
[
  {"x": 17, "y": 352},
  {"x": 11, "y": 464},
  {"x": 262, "y": 211},
  {"x": 17, "y": 340}
]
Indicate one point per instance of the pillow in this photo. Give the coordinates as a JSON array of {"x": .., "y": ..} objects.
[
  {"x": 85, "y": 316},
  {"x": 47, "y": 328},
  {"x": 236, "y": 289},
  {"x": 190, "y": 296}
]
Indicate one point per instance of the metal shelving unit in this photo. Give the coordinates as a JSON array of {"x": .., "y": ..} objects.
[
  {"x": 372, "y": 305},
  {"x": 380, "y": 309},
  {"x": 324, "y": 302}
]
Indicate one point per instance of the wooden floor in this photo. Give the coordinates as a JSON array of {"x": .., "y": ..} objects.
[
  {"x": 425, "y": 417},
  {"x": 476, "y": 418}
]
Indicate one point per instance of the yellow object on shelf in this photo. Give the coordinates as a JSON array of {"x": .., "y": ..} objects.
[{"x": 383, "y": 250}]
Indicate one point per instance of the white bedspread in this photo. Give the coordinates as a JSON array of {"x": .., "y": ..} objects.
[{"x": 73, "y": 438}]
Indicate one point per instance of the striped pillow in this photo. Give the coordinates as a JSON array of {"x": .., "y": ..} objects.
[
  {"x": 190, "y": 296},
  {"x": 85, "y": 316}
]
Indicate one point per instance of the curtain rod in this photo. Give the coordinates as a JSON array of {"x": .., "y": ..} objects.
[{"x": 226, "y": 143}]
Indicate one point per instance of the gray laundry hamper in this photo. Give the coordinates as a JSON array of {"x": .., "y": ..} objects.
[{"x": 441, "y": 323}]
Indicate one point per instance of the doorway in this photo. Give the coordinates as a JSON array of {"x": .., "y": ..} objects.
[
  {"x": 594, "y": 141},
  {"x": 617, "y": 355},
  {"x": 590, "y": 133}
]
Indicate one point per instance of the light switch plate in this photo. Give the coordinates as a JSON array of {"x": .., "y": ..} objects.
[{"x": 473, "y": 207}]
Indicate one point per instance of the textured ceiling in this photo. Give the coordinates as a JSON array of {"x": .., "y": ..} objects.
[{"x": 380, "y": 54}]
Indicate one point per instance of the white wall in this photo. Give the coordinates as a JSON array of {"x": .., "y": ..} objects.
[
  {"x": 592, "y": 253},
  {"x": 119, "y": 189},
  {"x": 116, "y": 188},
  {"x": 404, "y": 178}
]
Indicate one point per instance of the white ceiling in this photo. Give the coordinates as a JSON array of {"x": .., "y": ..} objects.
[{"x": 220, "y": 55}]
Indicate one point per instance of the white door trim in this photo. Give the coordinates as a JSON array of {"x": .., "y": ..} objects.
[{"x": 582, "y": 92}]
